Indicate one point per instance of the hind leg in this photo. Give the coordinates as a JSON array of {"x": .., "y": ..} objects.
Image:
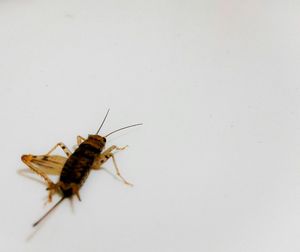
[{"x": 44, "y": 165}]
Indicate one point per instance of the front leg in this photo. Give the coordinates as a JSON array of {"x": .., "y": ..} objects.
[
  {"x": 105, "y": 156},
  {"x": 80, "y": 139}
]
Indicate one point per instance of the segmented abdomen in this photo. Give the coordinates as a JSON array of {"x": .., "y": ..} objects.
[{"x": 78, "y": 165}]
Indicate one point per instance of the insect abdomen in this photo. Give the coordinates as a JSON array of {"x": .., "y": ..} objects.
[{"x": 77, "y": 167}]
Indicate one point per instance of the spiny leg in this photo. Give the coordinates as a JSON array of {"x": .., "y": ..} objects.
[
  {"x": 64, "y": 148},
  {"x": 50, "y": 165},
  {"x": 105, "y": 156},
  {"x": 53, "y": 188},
  {"x": 80, "y": 139},
  {"x": 112, "y": 148},
  {"x": 28, "y": 160},
  {"x": 118, "y": 171},
  {"x": 45, "y": 165}
]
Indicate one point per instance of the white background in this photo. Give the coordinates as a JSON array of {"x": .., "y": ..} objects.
[{"x": 216, "y": 165}]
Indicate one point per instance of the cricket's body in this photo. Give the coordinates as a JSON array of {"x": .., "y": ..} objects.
[
  {"x": 74, "y": 169},
  {"x": 78, "y": 166}
]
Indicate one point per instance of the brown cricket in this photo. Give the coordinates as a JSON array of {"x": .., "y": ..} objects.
[{"x": 73, "y": 170}]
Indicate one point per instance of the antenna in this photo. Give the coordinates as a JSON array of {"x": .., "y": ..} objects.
[
  {"x": 102, "y": 122},
  {"x": 133, "y": 125}
]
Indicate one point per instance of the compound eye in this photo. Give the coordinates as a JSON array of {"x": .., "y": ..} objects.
[{"x": 104, "y": 139}]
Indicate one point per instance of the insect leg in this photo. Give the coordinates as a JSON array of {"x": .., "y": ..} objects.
[
  {"x": 51, "y": 165},
  {"x": 43, "y": 165},
  {"x": 118, "y": 171},
  {"x": 53, "y": 188},
  {"x": 64, "y": 148},
  {"x": 80, "y": 139},
  {"x": 27, "y": 159},
  {"x": 105, "y": 156}
]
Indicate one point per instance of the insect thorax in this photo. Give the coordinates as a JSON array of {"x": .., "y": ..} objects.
[{"x": 96, "y": 141}]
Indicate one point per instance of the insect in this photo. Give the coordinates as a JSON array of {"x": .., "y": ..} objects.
[{"x": 74, "y": 169}]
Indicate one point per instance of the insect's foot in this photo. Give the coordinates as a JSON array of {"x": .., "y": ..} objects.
[
  {"x": 127, "y": 183},
  {"x": 122, "y": 148}
]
